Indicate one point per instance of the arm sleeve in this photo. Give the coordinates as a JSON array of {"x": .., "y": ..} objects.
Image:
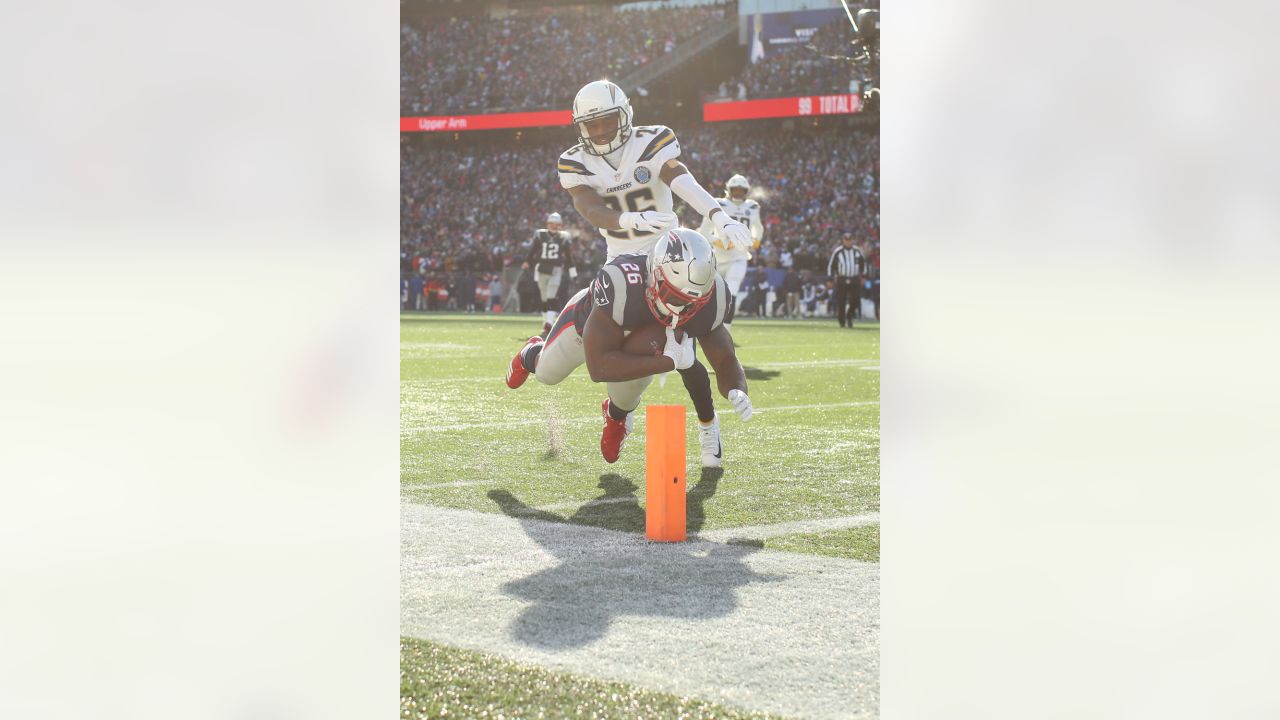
[
  {"x": 691, "y": 192},
  {"x": 757, "y": 227}
]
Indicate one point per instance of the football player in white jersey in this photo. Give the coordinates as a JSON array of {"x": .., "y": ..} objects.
[
  {"x": 621, "y": 178},
  {"x": 731, "y": 258}
]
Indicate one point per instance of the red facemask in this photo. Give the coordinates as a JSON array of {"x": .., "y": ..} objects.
[{"x": 683, "y": 306}]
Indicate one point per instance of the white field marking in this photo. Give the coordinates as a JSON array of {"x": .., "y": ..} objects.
[
  {"x": 815, "y": 406},
  {"x": 755, "y": 628},
  {"x": 597, "y": 418},
  {"x": 809, "y": 363},
  {"x": 454, "y": 484},
  {"x": 437, "y": 346},
  {"x": 760, "y": 532},
  {"x": 873, "y": 368},
  {"x": 584, "y": 377}
]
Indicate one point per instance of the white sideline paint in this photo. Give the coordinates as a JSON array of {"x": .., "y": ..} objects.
[
  {"x": 596, "y": 418},
  {"x": 779, "y": 632},
  {"x": 454, "y": 484},
  {"x": 585, "y": 377},
  {"x": 760, "y": 532}
]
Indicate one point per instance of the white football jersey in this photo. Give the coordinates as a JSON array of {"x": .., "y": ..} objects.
[
  {"x": 746, "y": 212},
  {"x": 634, "y": 186}
]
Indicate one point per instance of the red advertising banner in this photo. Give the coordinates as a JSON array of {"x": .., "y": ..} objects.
[
  {"x": 456, "y": 123},
  {"x": 782, "y": 107}
]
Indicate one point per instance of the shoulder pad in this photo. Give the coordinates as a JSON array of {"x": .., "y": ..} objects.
[
  {"x": 568, "y": 164},
  {"x": 663, "y": 137}
]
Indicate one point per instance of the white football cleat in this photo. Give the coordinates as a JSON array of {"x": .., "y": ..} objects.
[{"x": 712, "y": 448}]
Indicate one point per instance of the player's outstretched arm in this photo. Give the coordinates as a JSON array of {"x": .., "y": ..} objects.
[
  {"x": 717, "y": 346},
  {"x": 606, "y": 362},
  {"x": 592, "y": 207},
  {"x": 675, "y": 174}
]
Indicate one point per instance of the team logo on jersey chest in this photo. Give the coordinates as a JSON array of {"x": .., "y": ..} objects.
[{"x": 642, "y": 175}]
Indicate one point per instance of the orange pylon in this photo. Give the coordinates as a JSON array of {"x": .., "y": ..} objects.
[{"x": 664, "y": 453}]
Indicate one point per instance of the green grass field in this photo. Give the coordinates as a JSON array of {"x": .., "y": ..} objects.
[{"x": 811, "y": 453}]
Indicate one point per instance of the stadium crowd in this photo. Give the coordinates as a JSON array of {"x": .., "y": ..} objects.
[
  {"x": 826, "y": 65},
  {"x": 468, "y": 212},
  {"x": 452, "y": 65}
]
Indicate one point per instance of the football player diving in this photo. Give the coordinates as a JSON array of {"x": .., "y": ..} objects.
[
  {"x": 621, "y": 177},
  {"x": 674, "y": 284}
]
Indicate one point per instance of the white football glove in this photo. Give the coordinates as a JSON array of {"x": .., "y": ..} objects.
[
  {"x": 648, "y": 221},
  {"x": 734, "y": 233},
  {"x": 687, "y": 353},
  {"x": 676, "y": 350},
  {"x": 573, "y": 273},
  {"x": 741, "y": 404}
]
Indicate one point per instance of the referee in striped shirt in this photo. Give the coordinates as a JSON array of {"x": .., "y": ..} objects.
[{"x": 847, "y": 266}]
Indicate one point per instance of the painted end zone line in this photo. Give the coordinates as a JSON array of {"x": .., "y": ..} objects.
[{"x": 596, "y": 418}]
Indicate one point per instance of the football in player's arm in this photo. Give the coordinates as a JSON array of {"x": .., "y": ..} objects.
[{"x": 602, "y": 342}]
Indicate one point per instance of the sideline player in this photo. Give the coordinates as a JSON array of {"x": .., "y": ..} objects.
[
  {"x": 550, "y": 254},
  {"x": 676, "y": 285},
  {"x": 731, "y": 258},
  {"x": 621, "y": 178}
]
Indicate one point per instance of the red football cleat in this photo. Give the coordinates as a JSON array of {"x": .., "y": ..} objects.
[
  {"x": 516, "y": 373},
  {"x": 614, "y": 434}
]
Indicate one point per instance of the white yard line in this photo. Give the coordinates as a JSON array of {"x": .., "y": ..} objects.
[
  {"x": 787, "y": 633},
  {"x": 596, "y": 418},
  {"x": 496, "y": 380},
  {"x": 455, "y": 484}
]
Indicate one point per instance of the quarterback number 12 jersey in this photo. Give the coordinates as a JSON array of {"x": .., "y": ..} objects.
[
  {"x": 550, "y": 250},
  {"x": 633, "y": 186}
]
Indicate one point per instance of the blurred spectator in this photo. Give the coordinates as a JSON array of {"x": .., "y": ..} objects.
[
  {"x": 495, "y": 294},
  {"x": 534, "y": 59},
  {"x": 466, "y": 206},
  {"x": 826, "y": 65},
  {"x": 791, "y": 290},
  {"x": 415, "y": 291}
]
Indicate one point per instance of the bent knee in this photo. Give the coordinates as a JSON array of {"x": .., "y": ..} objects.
[{"x": 547, "y": 378}]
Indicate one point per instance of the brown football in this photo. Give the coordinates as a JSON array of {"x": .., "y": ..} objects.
[{"x": 648, "y": 340}]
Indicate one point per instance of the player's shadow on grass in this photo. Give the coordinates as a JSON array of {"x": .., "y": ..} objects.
[
  {"x": 760, "y": 375},
  {"x": 601, "y": 576}
]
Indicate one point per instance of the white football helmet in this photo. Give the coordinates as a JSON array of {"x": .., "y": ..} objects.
[
  {"x": 737, "y": 181},
  {"x": 596, "y": 100},
  {"x": 682, "y": 276}
]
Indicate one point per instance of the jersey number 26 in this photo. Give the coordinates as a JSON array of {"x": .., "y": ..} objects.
[{"x": 637, "y": 200}]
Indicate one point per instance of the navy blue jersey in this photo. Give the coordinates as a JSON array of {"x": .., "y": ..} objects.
[
  {"x": 550, "y": 250},
  {"x": 620, "y": 286}
]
